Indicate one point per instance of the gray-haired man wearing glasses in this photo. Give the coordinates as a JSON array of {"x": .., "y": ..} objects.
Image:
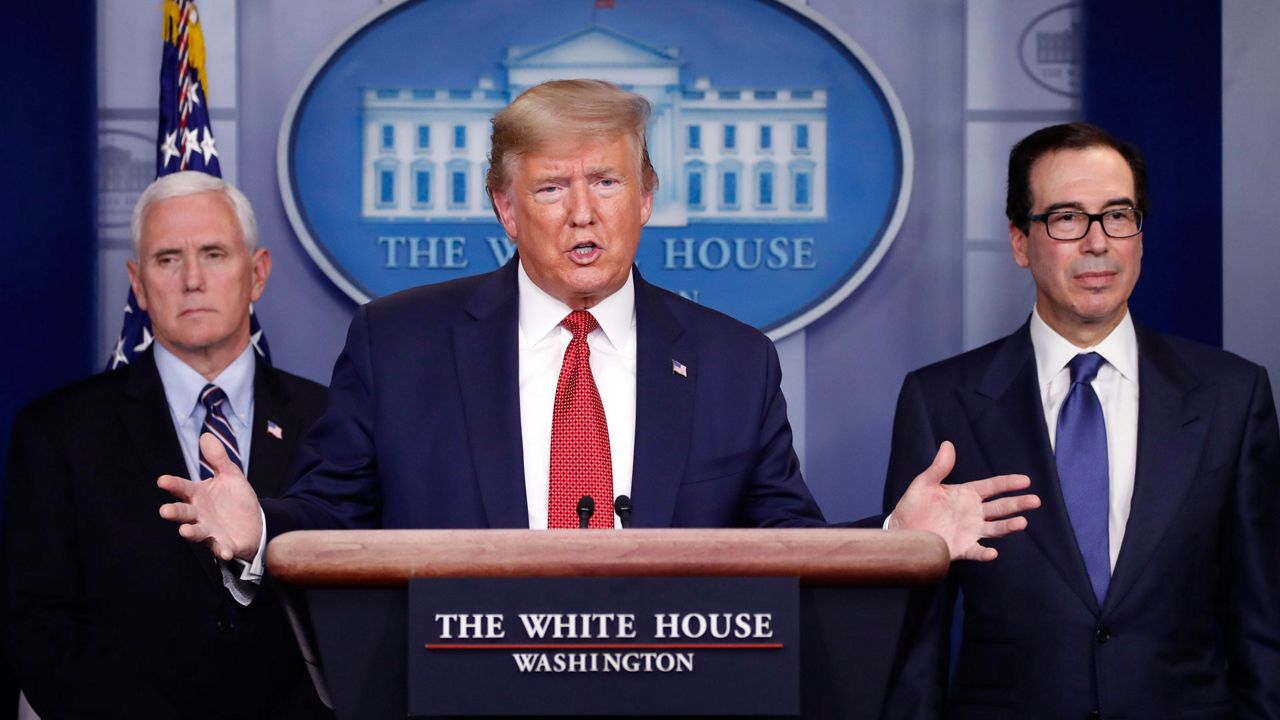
[{"x": 1149, "y": 585}]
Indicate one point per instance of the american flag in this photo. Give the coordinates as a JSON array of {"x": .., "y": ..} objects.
[{"x": 184, "y": 142}]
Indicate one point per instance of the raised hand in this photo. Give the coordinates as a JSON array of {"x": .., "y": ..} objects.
[
  {"x": 963, "y": 514},
  {"x": 221, "y": 512}
]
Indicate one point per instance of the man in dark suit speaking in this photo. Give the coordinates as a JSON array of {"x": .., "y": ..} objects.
[
  {"x": 535, "y": 395},
  {"x": 1149, "y": 584},
  {"x": 110, "y": 614}
]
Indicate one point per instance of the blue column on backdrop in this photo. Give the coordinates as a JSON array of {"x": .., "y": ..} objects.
[
  {"x": 48, "y": 188},
  {"x": 48, "y": 124},
  {"x": 1153, "y": 76}
]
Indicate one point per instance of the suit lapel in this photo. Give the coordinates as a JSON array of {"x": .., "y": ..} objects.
[
  {"x": 1008, "y": 418},
  {"x": 270, "y": 453},
  {"x": 145, "y": 414},
  {"x": 664, "y": 408},
  {"x": 1173, "y": 416},
  {"x": 486, "y": 353}
]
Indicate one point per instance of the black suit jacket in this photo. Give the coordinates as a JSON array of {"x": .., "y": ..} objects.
[
  {"x": 112, "y": 613},
  {"x": 1190, "y": 627}
]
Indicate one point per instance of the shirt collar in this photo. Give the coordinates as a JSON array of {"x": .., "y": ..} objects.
[
  {"x": 182, "y": 384},
  {"x": 540, "y": 313},
  {"x": 1119, "y": 348}
]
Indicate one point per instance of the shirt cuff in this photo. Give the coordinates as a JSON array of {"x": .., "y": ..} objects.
[
  {"x": 242, "y": 591},
  {"x": 254, "y": 571},
  {"x": 244, "y": 585}
]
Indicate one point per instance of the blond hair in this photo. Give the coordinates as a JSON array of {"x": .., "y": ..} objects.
[{"x": 566, "y": 108}]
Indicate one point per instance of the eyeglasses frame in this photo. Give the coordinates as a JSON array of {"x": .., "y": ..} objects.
[{"x": 1043, "y": 218}]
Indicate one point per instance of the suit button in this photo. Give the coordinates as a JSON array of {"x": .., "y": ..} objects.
[
  {"x": 1102, "y": 636},
  {"x": 1095, "y": 715},
  {"x": 225, "y": 625}
]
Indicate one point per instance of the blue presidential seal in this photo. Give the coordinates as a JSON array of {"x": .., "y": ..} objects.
[{"x": 783, "y": 156}]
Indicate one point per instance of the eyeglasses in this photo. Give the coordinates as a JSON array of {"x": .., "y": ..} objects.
[{"x": 1075, "y": 224}]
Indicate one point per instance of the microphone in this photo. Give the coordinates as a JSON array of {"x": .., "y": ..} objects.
[
  {"x": 622, "y": 506},
  {"x": 586, "y": 508}
]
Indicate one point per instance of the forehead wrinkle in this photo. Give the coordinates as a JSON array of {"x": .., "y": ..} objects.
[{"x": 1077, "y": 205}]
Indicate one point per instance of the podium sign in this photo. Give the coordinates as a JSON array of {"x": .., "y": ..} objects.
[
  {"x": 852, "y": 591},
  {"x": 604, "y": 646}
]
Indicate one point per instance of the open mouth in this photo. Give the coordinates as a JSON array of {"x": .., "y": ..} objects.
[{"x": 585, "y": 252}]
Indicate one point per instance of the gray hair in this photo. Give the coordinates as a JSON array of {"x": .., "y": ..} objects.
[{"x": 194, "y": 182}]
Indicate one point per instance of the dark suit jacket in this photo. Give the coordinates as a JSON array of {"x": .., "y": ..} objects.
[
  {"x": 423, "y": 426},
  {"x": 112, "y": 613},
  {"x": 1191, "y": 623}
]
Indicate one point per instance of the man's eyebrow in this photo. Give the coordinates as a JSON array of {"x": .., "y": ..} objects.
[{"x": 1120, "y": 202}]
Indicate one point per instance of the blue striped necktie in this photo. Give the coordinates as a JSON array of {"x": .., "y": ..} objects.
[
  {"x": 215, "y": 422},
  {"x": 1081, "y": 453}
]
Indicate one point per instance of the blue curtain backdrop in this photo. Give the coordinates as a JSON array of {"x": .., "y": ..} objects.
[
  {"x": 48, "y": 122},
  {"x": 49, "y": 130},
  {"x": 48, "y": 179},
  {"x": 1153, "y": 76}
]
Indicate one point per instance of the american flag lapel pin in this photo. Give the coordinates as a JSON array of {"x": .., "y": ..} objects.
[
  {"x": 274, "y": 430},
  {"x": 678, "y": 368}
]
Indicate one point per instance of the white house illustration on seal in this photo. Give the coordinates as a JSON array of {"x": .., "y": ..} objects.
[{"x": 723, "y": 155}]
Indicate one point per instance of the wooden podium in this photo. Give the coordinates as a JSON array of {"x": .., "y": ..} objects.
[{"x": 353, "y": 613}]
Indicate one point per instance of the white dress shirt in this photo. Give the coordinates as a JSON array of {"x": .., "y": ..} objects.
[
  {"x": 1117, "y": 388},
  {"x": 543, "y": 341},
  {"x": 182, "y": 386}
]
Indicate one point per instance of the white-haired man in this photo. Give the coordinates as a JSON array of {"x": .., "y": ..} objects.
[{"x": 111, "y": 614}]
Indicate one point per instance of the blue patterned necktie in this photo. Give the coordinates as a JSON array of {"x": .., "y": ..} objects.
[
  {"x": 215, "y": 422},
  {"x": 1081, "y": 453}
]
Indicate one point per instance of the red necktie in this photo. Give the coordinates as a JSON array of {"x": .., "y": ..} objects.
[{"x": 580, "y": 460}]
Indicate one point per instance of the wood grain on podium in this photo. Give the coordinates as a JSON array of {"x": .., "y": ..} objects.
[{"x": 817, "y": 556}]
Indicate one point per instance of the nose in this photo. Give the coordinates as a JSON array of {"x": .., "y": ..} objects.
[
  {"x": 192, "y": 275},
  {"x": 580, "y": 204},
  {"x": 1095, "y": 240}
]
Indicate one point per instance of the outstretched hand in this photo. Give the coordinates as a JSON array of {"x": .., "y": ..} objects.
[
  {"x": 221, "y": 512},
  {"x": 963, "y": 514}
]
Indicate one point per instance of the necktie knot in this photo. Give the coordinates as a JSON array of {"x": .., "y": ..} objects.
[
  {"x": 212, "y": 397},
  {"x": 1085, "y": 366},
  {"x": 580, "y": 323}
]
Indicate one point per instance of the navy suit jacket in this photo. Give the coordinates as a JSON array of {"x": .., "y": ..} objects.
[
  {"x": 112, "y": 613},
  {"x": 423, "y": 426},
  {"x": 1190, "y": 627}
]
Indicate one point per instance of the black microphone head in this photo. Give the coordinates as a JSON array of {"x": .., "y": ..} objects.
[
  {"x": 586, "y": 508},
  {"x": 622, "y": 506}
]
